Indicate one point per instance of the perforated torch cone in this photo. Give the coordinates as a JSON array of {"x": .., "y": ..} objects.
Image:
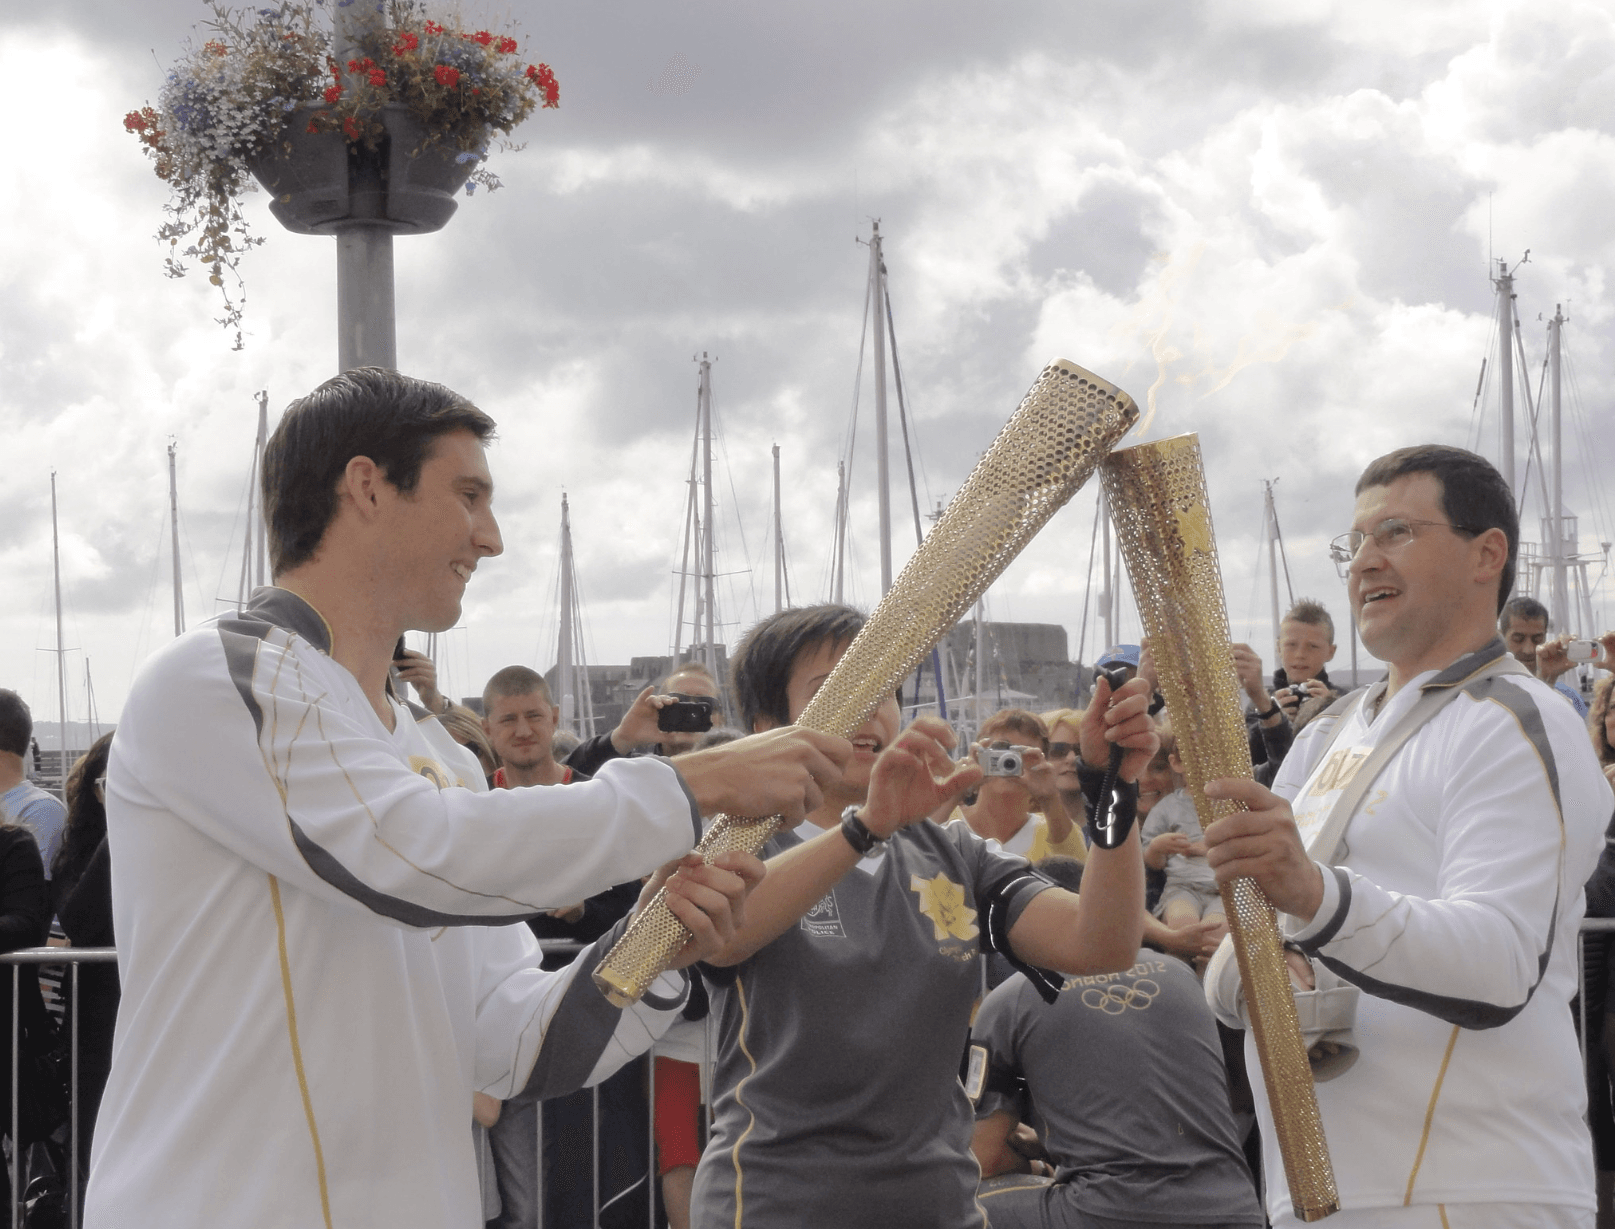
[
  {"x": 1157, "y": 496},
  {"x": 1064, "y": 427}
]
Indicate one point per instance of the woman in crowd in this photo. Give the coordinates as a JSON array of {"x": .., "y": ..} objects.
[
  {"x": 24, "y": 919},
  {"x": 1024, "y": 811},
  {"x": 81, "y": 887}
]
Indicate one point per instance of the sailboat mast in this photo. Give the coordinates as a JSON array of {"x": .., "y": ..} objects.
[
  {"x": 877, "y": 276},
  {"x": 1271, "y": 522},
  {"x": 838, "y": 572},
  {"x": 1505, "y": 370},
  {"x": 779, "y": 542},
  {"x": 563, "y": 650},
  {"x": 61, "y": 651},
  {"x": 1556, "y": 557},
  {"x": 260, "y": 530},
  {"x": 1107, "y": 602},
  {"x": 708, "y": 576},
  {"x": 173, "y": 516},
  {"x": 981, "y": 663}
]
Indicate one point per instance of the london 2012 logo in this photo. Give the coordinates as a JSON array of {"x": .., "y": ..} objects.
[{"x": 1116, "y": 997}]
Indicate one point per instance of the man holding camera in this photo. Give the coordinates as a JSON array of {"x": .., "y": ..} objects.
[{"x": 1427, "y": 844}]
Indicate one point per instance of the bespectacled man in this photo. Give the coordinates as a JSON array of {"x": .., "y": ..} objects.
[{"x": 1445, "y": 884}]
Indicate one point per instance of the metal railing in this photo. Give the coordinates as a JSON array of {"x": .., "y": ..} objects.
[{"x": 73, "y": 957}]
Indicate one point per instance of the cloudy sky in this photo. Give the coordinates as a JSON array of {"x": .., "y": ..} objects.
[{"x": 1273, "y": 216}]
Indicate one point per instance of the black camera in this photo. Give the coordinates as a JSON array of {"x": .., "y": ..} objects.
[{"x": 687, "y": 715}]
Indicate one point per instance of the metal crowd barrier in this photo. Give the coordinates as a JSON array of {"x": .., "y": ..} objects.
[{"x": 73, "y": 957}]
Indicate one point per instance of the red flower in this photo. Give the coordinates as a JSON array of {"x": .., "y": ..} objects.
[
  {"x": 541, "y": 76},
  {"x": 334, "y": 93},
  {"x": 313, "y": 127},
  {"x": 406, "y": 43},
  {"x": 474, "y": 90},
  {"x": 446, "y": 75},
  {"x": 351, "y": 127},
  {"x": 481, "y": 37},
  {"x": 377, "y": 77},
  {"x": 216, "y": 47},
  {"x": 433, "y": 28},
  {"x": 507, "y": 46},
  {"x": 134, "y": 122}
]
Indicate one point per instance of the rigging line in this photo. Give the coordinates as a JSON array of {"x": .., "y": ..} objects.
[
  {"x": 902, "y": 413},
  {"x": 689, "y": 519},
  {"x": 1578, "y": 416},
  {"x": 740, "y": 527},
  {"x": 1278, "y": 537},
  {"x": 1524, "y": 380},
  {"x": 224, "y": 563},
  {"x": 1087, "y": 598},
  {"x": 1474, "y": 409},
  {"x": 902, "y": 419}
]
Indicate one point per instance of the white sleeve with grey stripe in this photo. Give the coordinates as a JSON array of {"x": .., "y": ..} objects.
[{"x": 547, "y": 1033}]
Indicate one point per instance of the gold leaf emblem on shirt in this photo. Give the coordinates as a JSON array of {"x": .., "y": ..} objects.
[{"x": 943, "y": 902}]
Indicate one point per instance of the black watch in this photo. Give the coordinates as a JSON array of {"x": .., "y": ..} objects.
[{"x": 858, "y": 835}]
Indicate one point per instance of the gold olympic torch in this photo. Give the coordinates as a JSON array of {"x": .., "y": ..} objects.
[
  {"x": 1157, "y": 496},
  {"x": 1064, "y": 427}
]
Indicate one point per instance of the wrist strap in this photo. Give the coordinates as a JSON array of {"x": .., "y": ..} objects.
[
  {"x": 1112, "y": 804},
  {"x": 858, "y": 836},
  {"x": 1270, "y": 713}
]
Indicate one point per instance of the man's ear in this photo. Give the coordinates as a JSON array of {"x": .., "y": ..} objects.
[
  {"x": 1330, "y": 655},
  {"x": 360, "y": 484},
  {"x": 1493, "y": 556}
]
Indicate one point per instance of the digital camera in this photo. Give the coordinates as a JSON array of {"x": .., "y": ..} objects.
[{"x": 999, "y": 760}]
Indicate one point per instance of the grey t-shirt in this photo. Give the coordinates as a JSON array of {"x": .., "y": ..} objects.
[
  {"x": 1124, "y": 1080},
  {"x": 836, "y": 1095}
]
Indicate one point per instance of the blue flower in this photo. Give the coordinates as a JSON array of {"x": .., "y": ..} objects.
[{"x": 470, "y": 187}]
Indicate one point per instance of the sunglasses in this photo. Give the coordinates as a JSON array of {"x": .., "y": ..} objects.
[{"x": 1058, "y": 751}]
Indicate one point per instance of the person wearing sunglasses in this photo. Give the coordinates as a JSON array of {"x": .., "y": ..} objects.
[
  {"x": 1426, "y": 842},
  {"x": 1024, "y": 812}
]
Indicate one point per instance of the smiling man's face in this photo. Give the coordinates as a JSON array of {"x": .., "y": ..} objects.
[
  {"x": 1408, "y": 601},
  {"x": 440, "y": 531}
]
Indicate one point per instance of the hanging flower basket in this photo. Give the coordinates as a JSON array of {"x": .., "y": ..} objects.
[
  {"x": 384, "y": 137},
  {"x": 320, "y": 183}
]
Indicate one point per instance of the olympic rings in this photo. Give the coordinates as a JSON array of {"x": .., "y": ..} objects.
[{"x": 1117, "y": 997}]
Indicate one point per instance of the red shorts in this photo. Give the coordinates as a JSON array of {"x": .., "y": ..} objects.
[{"x": 678, "y": 1114}]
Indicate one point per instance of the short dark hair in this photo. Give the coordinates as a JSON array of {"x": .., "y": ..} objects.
[
  {"x": 1521, "y": 608},
  {"x": 761, "y": 668},
  {"x": 514, "y": 681},
  {"x": 1312, "y": 613},
  {"x": 16, "y": 723},
  {"x": 1474, "y": 497},
  {"x": 368, "y": 412},
  {"x": 1065, "y": 872}
]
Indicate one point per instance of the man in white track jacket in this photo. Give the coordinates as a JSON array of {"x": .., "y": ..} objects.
[
  {"x": 1452, "y": 896},
  {"x": 313, "y": 889}
]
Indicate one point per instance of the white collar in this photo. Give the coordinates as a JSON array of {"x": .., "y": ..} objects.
[{"x": 869, "y": 863}]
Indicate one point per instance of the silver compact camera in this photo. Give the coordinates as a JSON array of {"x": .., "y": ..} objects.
[{"x": 999, "y": 760}]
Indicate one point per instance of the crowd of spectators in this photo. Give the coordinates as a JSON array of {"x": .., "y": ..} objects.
[{"x": 1122, "y": 1091}]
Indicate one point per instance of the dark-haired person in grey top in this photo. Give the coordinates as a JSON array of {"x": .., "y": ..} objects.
[
  {"x": 1122, "y": 1077},
  {"x": 844, "y": 1001}
]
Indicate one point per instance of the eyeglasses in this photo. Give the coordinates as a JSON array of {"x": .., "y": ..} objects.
[
  {"x": 1058, "y": 751},
  {"x": 1390, "y": 535}
]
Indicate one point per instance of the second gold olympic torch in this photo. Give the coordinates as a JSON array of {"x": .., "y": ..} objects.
[{"x": 1157, "y": 496}]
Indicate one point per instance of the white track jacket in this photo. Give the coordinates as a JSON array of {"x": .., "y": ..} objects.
[
  {"x": 1453, "y": 903},
  {"x": 314, "y": 920}
]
